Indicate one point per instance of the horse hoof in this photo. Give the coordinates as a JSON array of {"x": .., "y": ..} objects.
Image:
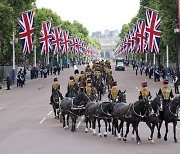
[
  {"x": 159, "y": 136},
  {"x": 176, "y": 141},
  {"x": 165, "y": 138},
  {"x": 94, "y": 132},
  {"x": 149, "y": 138},
  {"x": 105, "y": 134},
  {"x": 138, "y": 142},
  {"x": 86, "y": 130},
  {"x": 66, "y": 127},
  {"x": 124, "y": 139},
  {"x": 99, "y": 135},
  {"x": 152, "y": 141},
  {"x": 119, "y": 137}
]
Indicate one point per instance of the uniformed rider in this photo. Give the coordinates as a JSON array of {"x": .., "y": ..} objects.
[
  {"x": 56, "y": 87},
  {"x": 88, "y": 87},
  {"x": 76, "y": 76},
  {"x": 144, "y": 93},
  {"x": 166, "y": 93},
  {"x": 114, "y": 92}
]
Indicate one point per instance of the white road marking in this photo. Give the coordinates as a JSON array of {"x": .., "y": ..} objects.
[
  {"x": 80, "y": 122},
  {"x": 49, "y": 113},
  {"x": 42, "y": 120},
  {"x": 138, "y": 89},
  {"x": 0, "y": 108}
]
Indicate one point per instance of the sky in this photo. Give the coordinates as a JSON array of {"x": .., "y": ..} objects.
[{"x": 95, "y": 15}]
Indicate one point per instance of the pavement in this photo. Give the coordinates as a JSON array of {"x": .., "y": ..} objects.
[{"x": 28, "y": 125}]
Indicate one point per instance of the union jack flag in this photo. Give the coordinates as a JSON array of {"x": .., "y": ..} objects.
[
  {"x": 46, "y": 38},
  {"x": 56, "y": 39},
  {"x": 73, "y": 44},
  {"x": 134, "y": 39},
  {"x": 65, "y": 41},
  {"x": 79, "y": 45},
  {"x": 153, "y": 32},
  {"x": 26, "y": 31},
  {"x": 141, "y": 41}
]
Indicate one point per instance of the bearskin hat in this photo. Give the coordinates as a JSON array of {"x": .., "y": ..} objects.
[
  {"x": 71, "y": 77},
  {"x": 144, "y": 84},
  {"x": 165, "y": 81},
  {"x": 114, "y": 83},
  {"x": 55, "y": 79},
  {"x": 76, "y": 72}
]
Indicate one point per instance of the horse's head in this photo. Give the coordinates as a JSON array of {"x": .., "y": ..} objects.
[
  {"x": 82, "y": 97},
  {"x": 176, "y": 101},
  {"x": 157, "y": 103},
  {"x": 122, "y": 96}
]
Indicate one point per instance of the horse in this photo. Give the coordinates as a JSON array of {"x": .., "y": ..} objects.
[
  {"x": 55, "y": 103},
  {"x": 152, "y": 119},
  {"x": 121, "y": 98},
  {"x": 131, "y": 114},
  {"x": 73, "y": 92},
  {"x": 170, "y": 114},
  {"x": 99, "y": 86},
  {"x": 73, "y": 107},
  {"x": 98, "y": 111}
]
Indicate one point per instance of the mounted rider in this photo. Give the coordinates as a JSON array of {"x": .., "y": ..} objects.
[
  {"x": 88, "y": 68},
  {"x": 72, "y": 87},
  {"x": 114, "y": 92},
  {"x": 166, "y": 93},
  {"x": 56, "y": 87},
  {"x": 88, "y": 88},
  {"x": 144, "y": 93}
]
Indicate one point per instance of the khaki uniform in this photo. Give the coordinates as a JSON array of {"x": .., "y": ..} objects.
[
  {"x": 88, "y": 90},
  {"x": 114, "y": 93},
  {"x": 144, "y": 94},
  {"x": 76, "y": 78},
  {"x": 165, "y": 93},
  {"x": 55, "y": 86}
]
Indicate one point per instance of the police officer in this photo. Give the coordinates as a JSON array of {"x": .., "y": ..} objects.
[
  {"x": 175, "y": 81},
  {"x": 56, "y": 87},
  {"x": 166, "y": 93},
  {"x": 144, "y": 93},
  {"x": 114, "y": 92}
]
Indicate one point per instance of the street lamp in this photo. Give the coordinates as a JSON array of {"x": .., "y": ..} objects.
[
  {"x": 13, "y": 42},
  {"x": 176, "y": 31}
]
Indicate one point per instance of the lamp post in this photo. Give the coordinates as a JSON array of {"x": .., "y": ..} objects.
[
  {"x": 176, "y": 31},
  {"x": 13, "y": 42}
]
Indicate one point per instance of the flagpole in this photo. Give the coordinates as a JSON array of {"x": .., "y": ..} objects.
[
  {"x": 146, "y": 57},
  {"x": 34, "y": 56},
  {"x": 154, "y": 59},
  {"x": 167, "y": 54},
  {"x": 67, "y": 60},
  {"x": 48, "y": 58},
  {"x": 14, "y": 72},
  {"x": 57, "y": 58}
]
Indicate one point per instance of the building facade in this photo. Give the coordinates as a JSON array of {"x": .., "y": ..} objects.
[{"x": 108, "y": 41}]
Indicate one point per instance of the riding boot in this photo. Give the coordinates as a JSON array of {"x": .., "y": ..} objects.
[
  {"x": 51, "y": 100},
  {"x": 61, "y": 96}
]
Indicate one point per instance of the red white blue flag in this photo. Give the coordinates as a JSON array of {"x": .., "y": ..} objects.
[
  {"x": 141, "y": 37},
  {"x": 26, "y": 31},
  {"x": 65, "y": 41},
  {"x": 46, "y": 38},
  {"x": 73, "y": 44},
  {"x": 56, "y": 39},
  {"x": 153, "y": 32}
]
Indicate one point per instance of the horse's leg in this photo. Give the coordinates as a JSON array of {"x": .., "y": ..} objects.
[
  {"x": 159, "y": 129},
  {"x": 105, "y": 133},
  {"x": 151, "y": 126},
  {"x": 127, "y": 131},
  {"x": 86, "y": 121},
  {"x": 75, "y": 118},
  {"x": 73, "y": 121},
  {"x": 99, "y": 127},
  {"x": 137, "y": 134},
  {"x": 64, "y": 124},
  {"x": 133, "y": 134},
  {"x": 174, "y": 131},
  {"x": 119, "y": 129},
  {"x": 165, "y": 136},
  {"x": 94, "y": 125}
]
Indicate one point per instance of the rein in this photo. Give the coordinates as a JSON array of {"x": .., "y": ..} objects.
[
  {"x": 139, "y": 115},
  {"x": 174, "y": 114},
  {"x": 105, "y": 112}
]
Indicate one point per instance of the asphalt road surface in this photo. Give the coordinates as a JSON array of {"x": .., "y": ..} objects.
[{"x": 28, "y": 126}]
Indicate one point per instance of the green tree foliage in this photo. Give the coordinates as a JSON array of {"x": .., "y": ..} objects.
[{"x": 168, "y": 12}]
